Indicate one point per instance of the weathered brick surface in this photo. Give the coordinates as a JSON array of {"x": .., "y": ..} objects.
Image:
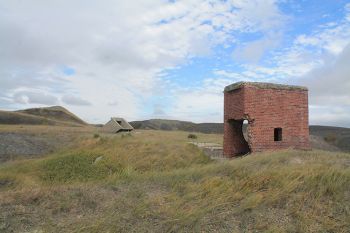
[{"x": 265, "y": 109}]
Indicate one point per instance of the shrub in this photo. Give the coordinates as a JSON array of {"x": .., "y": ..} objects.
[
  {"x": 125, "y": 135},
  {"x": 96, "y": 135},
  {"x": 192, "y": 136},
  {"x": 330, "y": 138},
  {"x": 165, "y": 127},
  {"x": 6, "y": 182},
  {"x": 77, "y": 167}
]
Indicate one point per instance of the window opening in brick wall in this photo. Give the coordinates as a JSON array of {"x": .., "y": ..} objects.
[{"x": 278, "y": 134}]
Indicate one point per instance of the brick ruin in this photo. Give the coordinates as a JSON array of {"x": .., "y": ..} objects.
[{"x": 277, "y": 117}]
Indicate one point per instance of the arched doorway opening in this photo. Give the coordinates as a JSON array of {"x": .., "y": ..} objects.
[
  {"x": 238, "y": 142},
  {"x": 245, "y": 130}
]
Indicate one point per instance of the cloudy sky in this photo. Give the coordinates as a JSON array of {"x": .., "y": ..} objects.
[{"x": 171, "y": 59}]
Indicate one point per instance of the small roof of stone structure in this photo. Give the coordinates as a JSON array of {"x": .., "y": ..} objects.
[
  {"x": 123, "y": 123},
  {"x": 117, "y": 124},
  {"x": 261, "y": 85}
]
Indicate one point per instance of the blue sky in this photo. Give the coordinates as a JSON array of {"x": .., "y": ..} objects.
[{"x": 171, "y": 59}]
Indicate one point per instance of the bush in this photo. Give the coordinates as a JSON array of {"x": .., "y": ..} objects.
[
  {"x": 330, "y": 138},
  {"x": 96, "y": 135},
  {"x": 126, "y": 135},
  {"x": 165, "y": 127},
  {"x": 192, "y": 136},
  {"x": 77, "y": 167},
  {"x": 6, "y": 182}
]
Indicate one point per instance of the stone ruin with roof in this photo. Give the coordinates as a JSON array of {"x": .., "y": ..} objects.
[{"x": 116, "y": 125}]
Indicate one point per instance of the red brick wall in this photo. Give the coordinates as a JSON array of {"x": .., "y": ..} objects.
[
  {"x": 233, "y": 109},
  {"x": 265, "y": 110}
]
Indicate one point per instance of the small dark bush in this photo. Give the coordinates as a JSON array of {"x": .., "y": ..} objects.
[
  {"x": 330, "y": 138},
  {"x": 6, "y": 182},
  {"x": 125, "y": 135},
  {"x": 192, "y": 136},
  {"x": 96, "y": 135},
  {"x": 165, "y": 127}
]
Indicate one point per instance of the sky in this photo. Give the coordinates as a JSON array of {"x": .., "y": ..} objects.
[{"x": 171, "y": 59}]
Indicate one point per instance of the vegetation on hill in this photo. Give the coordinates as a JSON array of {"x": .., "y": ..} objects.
[
  {"x": 323, "y": 137},
  {"x": 14, "y": 118},
  {"x": 55, "y": 115},
  {"x": 337, "y": 136},
  {"x": 154, "y": 181},
  {"x": 161, "y": 124},
  {"x": 28, "y": 141}
]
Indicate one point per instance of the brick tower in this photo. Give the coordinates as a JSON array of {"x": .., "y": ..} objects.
[{"x": 277, "y": 117}]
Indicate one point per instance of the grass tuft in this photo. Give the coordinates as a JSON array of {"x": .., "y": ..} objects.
[{"x": 77, "y": 167}]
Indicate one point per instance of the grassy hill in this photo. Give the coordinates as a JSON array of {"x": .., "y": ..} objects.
[
  {"x": 154, "y": 181},
  {"x": 337, "y": 136},
  {"x": 322, "y": 137},
  {"x": 12, "y": 118},
  {"x": 55, "y": 115},
  {"x": 161, "y": 124}
]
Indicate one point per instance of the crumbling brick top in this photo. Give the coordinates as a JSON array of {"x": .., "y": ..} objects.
[{"x": 260, "y": 85}]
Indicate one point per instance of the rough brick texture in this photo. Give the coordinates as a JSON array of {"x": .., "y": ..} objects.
[{"x": 266, "y": 107}]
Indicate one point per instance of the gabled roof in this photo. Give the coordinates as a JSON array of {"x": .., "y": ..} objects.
[
  {"x": 122, "y": 122},
  {"x": 117, "y": 124},
  {"x": 261, "y": 85}
]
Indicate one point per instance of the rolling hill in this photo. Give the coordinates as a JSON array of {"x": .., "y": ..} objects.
[
  {"x": 55, "y": 115},
  {"x": 337, "y": 136},
  {"x": 322, "y": 137},
  {"x": 161, "y": 124}
]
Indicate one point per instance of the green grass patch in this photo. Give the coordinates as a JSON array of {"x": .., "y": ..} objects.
[{"x": 77, "y": 167}]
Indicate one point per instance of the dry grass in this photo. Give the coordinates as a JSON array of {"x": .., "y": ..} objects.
[{"x": 154, "y": 181}]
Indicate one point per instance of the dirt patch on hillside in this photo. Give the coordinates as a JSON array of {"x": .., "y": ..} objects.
[
  {"x": 14, "y": 144},
  {"x": 319, "y": 143}
]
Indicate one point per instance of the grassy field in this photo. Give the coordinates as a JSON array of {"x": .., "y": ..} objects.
[{"x": 154, "y": 181}]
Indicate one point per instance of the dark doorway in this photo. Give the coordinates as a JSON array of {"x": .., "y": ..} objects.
[{"x": 239, "y": 143}]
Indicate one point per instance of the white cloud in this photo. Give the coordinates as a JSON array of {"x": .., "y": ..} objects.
[
  {"x": 117, "y": 48},
  {"x": 320, "y": 61},
  {"x": 158, "y": 110},
  {"x": 196, "y": 104},
  {"x": 201, "y": 104},
  {"x": 329, "y": 115},
  {"x": 254, "y": 50},
  {"x": 224, "y": 73},
  {"x": 75, "y": 100},
  {"x": 347, "y": 8},
  {"x": 27, "y": 97},
  {"x": 329, "y": 85}
]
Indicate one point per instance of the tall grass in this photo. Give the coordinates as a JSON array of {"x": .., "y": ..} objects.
[
  {"x": 156, "y": 182},
  {"x": 77, "y": 167}
]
